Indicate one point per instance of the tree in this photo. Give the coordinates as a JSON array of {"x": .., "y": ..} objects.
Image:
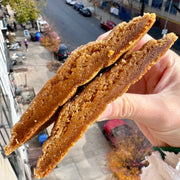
[
  {"x": 125, "y": 161},
  {"x": 50, "y": 40},
  {"x": 41, "y": 4},
  {"x": 96, "y": 3},
  {"x": 25, "y": 10}
]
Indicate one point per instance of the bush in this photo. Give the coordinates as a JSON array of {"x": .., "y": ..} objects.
[
  {"x": 50, "y": 40},
  {"x": 53, "y": 66},
  {"x": 126, "y": 159}
]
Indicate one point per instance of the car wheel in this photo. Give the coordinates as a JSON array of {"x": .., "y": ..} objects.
[
  {"x": 105, "y": 134},
  {"x": 64, "y": 60},
  {"x": 55, "y": 55}
]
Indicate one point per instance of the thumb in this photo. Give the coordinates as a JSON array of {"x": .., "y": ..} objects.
[{"x": 146, "y": 109}]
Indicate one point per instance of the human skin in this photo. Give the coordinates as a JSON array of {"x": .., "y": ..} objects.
[{"x": 153, "y": 102}]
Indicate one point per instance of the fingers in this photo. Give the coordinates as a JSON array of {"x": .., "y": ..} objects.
[
  {"x": 144, "y": 40},
  {"x": 136, "y": 107}
]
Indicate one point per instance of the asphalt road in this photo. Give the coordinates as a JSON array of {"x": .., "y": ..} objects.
[{"x": 73, "y": 28}]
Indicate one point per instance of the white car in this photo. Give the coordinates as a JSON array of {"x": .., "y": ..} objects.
[
  {"x": 70, "y": 2},
  {"x": 43, "y": 25}
]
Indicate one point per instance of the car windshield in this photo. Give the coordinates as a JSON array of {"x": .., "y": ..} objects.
[
  {"x": 63, "y": 51},
  {"x": 110, "y": 24}
]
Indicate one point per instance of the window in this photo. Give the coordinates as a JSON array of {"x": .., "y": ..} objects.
[
  {"x": 157, "y": 4},
  {"x": 146, "y": 1},
  {"x": 173, "y": 10},
  {"x": 5, "y": 112}
]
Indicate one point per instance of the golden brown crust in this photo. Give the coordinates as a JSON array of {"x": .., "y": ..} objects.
[
  {"x": 82, "y": 65},
  {"x": 76, "y": 115}
]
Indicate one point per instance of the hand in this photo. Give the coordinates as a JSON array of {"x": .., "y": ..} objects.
[{"x": 153, "y": 102}]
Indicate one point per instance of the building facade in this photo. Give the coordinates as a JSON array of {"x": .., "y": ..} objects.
[
  {"x": 15, "y": 166},
  {"x": 167, "y": 11}
]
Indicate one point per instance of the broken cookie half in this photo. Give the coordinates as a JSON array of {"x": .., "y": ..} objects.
[
  {"x": 82, "y": 66},
  {"x": 77, "y": 114}
]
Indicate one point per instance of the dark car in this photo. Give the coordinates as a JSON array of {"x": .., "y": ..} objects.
[
  {"x": 85, "y": 12},
  {"x": 108, "y": 25},
  {"x": 62, "y": 53},
  {"x": 78, "y": 6},
  {"x": 116, "y": 130}
]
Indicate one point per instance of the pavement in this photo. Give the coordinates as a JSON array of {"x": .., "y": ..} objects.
[
  {"x": 101, "y": 14},
  {"x": 86, "y": 160}
]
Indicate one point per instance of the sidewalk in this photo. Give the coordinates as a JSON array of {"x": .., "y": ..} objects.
[
  {"x": 87, "y": 158},
  {"x": 100, "y": 14}
]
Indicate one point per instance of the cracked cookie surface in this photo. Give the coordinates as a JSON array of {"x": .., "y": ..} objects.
[{"x": 77, "y": 114}]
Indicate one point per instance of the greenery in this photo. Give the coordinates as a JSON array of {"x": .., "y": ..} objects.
[{"x": 25, "y": 10}]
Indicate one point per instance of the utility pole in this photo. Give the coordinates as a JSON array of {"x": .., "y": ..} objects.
[
  {"x": 176, "y": 8},
  {"x": 164, "y": 31},
  {"x": 142, "y": 7}
]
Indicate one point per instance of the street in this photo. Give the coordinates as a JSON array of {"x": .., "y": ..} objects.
[{"x": 73, "y": 28}]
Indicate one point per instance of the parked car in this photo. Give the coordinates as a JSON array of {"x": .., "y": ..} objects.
[
  {"x": 108, "y": 25},
  {"x": 116, "y": 130},
  {"x": 78, "y": 6},
  {"x": 71, "y": 2},
  {"x": 43, "y": 25},
  {"x": 85, "y": 12},
  {"x": 62, "y": 53}
]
